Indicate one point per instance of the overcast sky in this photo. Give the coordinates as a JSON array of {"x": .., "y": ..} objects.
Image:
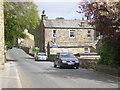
[{"x": 59, "y": 8}]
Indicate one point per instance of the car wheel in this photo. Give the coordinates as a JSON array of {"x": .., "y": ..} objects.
[
  {"x": 60, "y": 66},
  {"x": 55, "y": 65},
  {"x": 77, "y": 67}
]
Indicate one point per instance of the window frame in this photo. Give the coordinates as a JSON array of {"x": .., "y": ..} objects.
[
  {"x": 54, "y": 33},
  {"x": 89, "y": 34},
  {"x": 70, "y": 33},
  {"x": 86, "y": 51},
  {"x": 89, "y": 31},
  {"x": 82, "y": 24}
]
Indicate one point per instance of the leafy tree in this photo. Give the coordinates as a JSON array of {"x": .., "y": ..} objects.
[
  {"x": 105, "y": 16},
  {"x": 18, "y": 16}
]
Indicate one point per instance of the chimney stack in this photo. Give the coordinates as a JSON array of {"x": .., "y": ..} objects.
[
  {"x": 43, "y": 15},
  {"x": 89, "y": 17},
  {"x": 82, "y": 19}
]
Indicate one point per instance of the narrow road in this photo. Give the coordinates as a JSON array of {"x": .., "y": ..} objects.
[{"x": 42, "y": 74}]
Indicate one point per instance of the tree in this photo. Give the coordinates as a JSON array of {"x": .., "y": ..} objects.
[
  {"x": 19, "y": 16},
  {"x": 105, "y": 16}
]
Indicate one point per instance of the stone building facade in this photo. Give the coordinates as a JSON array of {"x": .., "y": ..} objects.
[
  {"x": 80, "y": 43},
  {"x": 74, "y": 36},
  {"x": 27, "y": 42},
  {"x": 1, "y": 34}
]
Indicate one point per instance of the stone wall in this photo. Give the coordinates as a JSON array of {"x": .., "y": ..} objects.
[
  {"x": 92, "y": 64},
  {"x": 72, "y": 50},
  {"x": 88, "y": 63},
  {"x": 1, "y": 34}
]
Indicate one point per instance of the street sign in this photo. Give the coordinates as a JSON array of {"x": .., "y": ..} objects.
[{"x": 54, "y": 46}]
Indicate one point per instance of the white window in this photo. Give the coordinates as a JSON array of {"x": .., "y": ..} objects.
[
  {"x": 89, "y": 34},
  {"x": 72, "y": 33},
  {"x": 86, "y": 50},
  {"x": 82, "y": 24},
  {"x": 54, "y": 33}
]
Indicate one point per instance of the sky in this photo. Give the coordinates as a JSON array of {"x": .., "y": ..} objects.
[{"x": 59, "y": 8}]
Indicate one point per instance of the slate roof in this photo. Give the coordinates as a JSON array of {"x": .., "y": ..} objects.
[{"x": 62, "y": 23}]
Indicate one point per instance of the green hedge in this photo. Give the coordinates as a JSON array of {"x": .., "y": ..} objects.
[{"x": 109, "y": 55}]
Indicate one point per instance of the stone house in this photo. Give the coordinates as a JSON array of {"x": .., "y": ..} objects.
[
  {"x": 58, "y": 35},
  {"x": 27, "y": 42}
]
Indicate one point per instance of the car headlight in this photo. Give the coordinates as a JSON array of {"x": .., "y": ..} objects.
[
  {"x": 77, "y": 61},
  {"x": 63, "y": 61}
]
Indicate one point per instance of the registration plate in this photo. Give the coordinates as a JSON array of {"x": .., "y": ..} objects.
[{"x": 70, "y": 63}]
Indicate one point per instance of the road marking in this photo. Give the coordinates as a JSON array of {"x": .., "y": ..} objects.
[{"x": 18, "y": 78}]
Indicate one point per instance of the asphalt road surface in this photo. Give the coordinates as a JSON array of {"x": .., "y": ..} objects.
[{"x": 42, "y": 74}]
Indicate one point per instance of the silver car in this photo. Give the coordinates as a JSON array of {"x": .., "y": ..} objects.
[{"x": 41, "y": 56}]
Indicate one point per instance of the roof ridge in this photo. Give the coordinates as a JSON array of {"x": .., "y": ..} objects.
[{"x": 65, "y": 23}]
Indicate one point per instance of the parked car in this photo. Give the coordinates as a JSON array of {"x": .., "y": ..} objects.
[
  {"x": 66, "y": 59},
  {"x": 40, "y": 56}
]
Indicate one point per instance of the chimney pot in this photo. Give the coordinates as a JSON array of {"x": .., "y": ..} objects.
[{"x": 43, "y": 15}]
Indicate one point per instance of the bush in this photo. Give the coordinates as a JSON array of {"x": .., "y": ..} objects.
[
  {"x": 35, "y": 50},
  {"x": 108, "y": 55}
]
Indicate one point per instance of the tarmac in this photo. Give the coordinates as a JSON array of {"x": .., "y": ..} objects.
[{"x": 9, "y": 76}]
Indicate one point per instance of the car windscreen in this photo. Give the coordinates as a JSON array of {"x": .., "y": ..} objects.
[
  {"x": 41, "y": 54},
  {"x": 67, "y": 56}
]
